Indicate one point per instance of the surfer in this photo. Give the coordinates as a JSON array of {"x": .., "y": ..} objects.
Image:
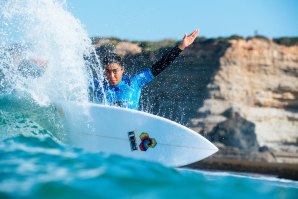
[{"x": 121, "y": 90}]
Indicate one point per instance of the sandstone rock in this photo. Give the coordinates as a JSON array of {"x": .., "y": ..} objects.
[
  {"x": 259, "y": 77},
  {"x": 124, "y": 48}
]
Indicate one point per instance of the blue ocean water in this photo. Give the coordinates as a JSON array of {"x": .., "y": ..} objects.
[{"x": 35, "y": 163}]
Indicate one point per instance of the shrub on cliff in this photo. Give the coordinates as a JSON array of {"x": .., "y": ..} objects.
[
  {"x": 286, "y": 41},
  {"x": 153, "y": 46}
]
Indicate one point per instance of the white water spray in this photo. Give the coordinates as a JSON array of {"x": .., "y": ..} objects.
[{"x": 45, "y": 33}]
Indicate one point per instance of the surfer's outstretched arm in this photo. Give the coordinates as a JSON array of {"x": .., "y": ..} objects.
[{"x": 168, "y": 58}]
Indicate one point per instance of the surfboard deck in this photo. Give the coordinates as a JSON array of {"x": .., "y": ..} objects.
[{"x": 135, "y": 134}]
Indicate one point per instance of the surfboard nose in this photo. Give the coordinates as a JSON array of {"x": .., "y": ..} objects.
[{"x": 213, "y": 147}]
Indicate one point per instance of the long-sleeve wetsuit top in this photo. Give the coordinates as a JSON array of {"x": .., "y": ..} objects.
[{"x": 127, "y": 92}]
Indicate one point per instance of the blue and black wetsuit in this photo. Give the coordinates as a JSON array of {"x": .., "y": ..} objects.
[{"x": 127, "y": 92}]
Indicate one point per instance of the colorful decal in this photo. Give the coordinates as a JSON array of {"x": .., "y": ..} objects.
[
  {"x": 146, "y": 142},
  {"x": 132, "y": 140}
]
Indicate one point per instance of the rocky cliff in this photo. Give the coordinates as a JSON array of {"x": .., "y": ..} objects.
[
  {"x": 241, "y": 93},
  {"x": 259, "y": 79}
]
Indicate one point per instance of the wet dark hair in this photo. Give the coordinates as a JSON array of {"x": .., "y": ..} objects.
[
  {"x": 111, "y": 58},
  {"x": 107, "y": 55}
]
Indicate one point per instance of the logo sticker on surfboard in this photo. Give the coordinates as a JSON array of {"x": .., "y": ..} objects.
[
  {"x": 146, "y": 142},
  {"x": 132, "y": 140}
]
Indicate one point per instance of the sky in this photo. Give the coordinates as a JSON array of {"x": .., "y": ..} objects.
[{"x": 154, "y": 20}]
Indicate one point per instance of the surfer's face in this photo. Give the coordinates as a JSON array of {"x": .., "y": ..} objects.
[{"x": 114, "y": 73}]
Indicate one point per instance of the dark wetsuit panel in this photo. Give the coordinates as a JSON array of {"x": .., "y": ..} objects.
[{"x": 165, "y": 61}]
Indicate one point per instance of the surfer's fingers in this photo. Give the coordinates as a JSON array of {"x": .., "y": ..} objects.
[{"x": 194, "y": 33}]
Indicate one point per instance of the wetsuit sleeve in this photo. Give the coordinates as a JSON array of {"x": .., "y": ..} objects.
[
  {"x": 165, "y": 61},
  {"x": 143, "y": 77}
]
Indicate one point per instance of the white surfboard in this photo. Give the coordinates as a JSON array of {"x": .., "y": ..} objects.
[{"x": 134, "y": 134}]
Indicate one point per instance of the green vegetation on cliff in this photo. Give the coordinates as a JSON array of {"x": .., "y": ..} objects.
[
  {"x": 151, "y": 46},
  {"x": 287, "y": 41}
]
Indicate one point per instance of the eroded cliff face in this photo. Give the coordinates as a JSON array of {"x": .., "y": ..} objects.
[
  {"x": 256, "y": 78},
  {"x": 259, "y": 79}
]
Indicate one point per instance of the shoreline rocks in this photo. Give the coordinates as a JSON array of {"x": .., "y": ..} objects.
[{"x": 235, "y": 131}]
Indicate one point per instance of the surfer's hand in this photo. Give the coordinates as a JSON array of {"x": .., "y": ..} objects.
[{"x": 188, "y": 39}]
